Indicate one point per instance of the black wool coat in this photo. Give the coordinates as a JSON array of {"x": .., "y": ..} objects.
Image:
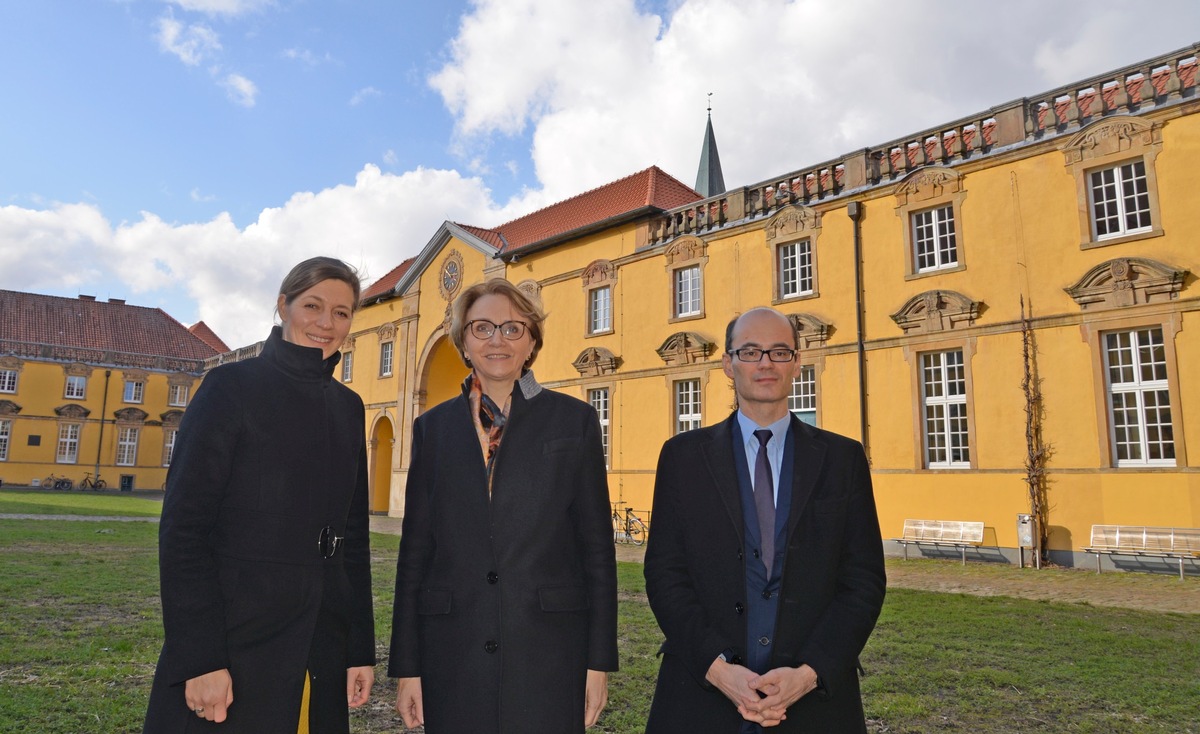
[
  {"x": 832, "y": 584},
  {"x": 503, "y": 605},
  {"x": 270, "y": 451}
]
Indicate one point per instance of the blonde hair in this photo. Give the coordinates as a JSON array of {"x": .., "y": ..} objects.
[{"x": 529, "y": 309}]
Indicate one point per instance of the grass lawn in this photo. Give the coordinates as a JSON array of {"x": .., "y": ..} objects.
[
  {"x": 76, "y": 502},
  {"x": 79, "y": 620}
]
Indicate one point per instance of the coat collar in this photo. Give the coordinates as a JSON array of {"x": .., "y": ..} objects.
[{"x": 302, "y": 363}]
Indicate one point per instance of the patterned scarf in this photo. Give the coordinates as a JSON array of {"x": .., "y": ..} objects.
[{"x": 490, "y": 419}]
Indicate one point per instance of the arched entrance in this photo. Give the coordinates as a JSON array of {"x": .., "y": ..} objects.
[
  {"x": 383, "y": 439},
  {"x": 443, "y": 374}
]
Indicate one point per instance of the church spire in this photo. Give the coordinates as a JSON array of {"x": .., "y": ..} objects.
[{"x": 709, "y": 180}]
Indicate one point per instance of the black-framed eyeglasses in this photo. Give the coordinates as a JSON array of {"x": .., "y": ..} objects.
[
  {"x": 510, "y": 330},
  {"x": 328, "y": 543},
  {"x": 754, "y": 354}
]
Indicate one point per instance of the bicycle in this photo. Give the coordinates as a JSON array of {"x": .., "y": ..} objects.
[
  {"x": 627, "y": 529},
  {"x": 56, "y": 482},
  {"x": 89, "y": 483}
]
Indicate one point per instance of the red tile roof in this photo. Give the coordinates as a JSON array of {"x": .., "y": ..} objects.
[
  {"x": 86, "y": 330},
  {"x": 201, "y": 331},
  {"x": 385, "y": 284},
  {"x": 651, "y": 188}
]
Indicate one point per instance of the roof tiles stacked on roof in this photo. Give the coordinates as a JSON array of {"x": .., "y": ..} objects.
[
  {"x": 87, "y": 330},
  {"x": 384, "y": 285}
]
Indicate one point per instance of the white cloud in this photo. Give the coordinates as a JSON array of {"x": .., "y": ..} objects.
[
  {"x": 191, "y": 43},
  {"x": 390, "y": 157},
  {"x": 606, "y": 89},
  {"x": 240, "y": 90},
  {"x": 228, "y": 8},
  {"x": 199, "y": 197},
  {"x": 364, "y": 94},
  {"x": 231, "y": 274},
  {"x": 307, "y": 57}
]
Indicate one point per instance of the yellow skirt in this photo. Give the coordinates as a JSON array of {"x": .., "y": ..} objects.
[{"x": 304, "y": 706}]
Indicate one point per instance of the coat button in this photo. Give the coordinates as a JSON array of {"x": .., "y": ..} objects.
[
  {"x": 764, "y": 641},
  {"x": 493, "y": 577},
  {"x": 739, "y": 554},
  {"x": 737, "y": 660},
  {"x": 491, "y": 646},
  {"x": 756, "y": 552},
  {"x": 739, "y": 607},
  {"x": 766, "y": 595}
]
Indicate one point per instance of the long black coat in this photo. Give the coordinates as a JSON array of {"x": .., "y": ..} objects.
[
  {"x": 502, "y": 606},
  {"x": 270, "y": 451},
  {"x": 832, "y": 586}
]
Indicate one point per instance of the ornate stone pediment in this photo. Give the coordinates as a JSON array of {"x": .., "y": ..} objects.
[
  {"x": 72, "y": 410},
  {"x": 1127, "y": 281},
  {"x": 10, "y": 363},
  {"x": 532, "y": 289},
  {"x": 792, "y": 221},
  {"x": 171, "y": 417},
  {"x": 811, "y": 332},
  {"x": 685, "y": 347},
  {"x": 387, "y": 332},
  {"x": 131, "y": 415},
  {"x": 134, "y": 375},
  {"x": 8, "y": 407},
  {"x": 181, "y": 378},
  {"x": 78, "y": 369},
  {"x": 934, "y": 311},
  {"x": 1110, "y": 137},
  {"x": 685, "y": 249},
  {"x": 928, "y": 183},
  {"x": 599, "y": 272},
  {"x": 596, "y": 361}
]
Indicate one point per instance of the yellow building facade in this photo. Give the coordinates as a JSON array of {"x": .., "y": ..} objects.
[
  {"x": 93, "y": 389},
  {"x": 1004, "y": 309}
]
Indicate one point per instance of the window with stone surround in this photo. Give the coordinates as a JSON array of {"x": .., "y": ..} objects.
[
  {"x": 600, "y": 310},
  {"x": 802, "y": 400},
  {"x": 599, "y": 280},
  {"x": 1113, "y": 162},
  {"x": 686, "y": 258},
  {"x": 177, "y": 395},
  {"x": 75, "y": 387},
  {"x": 134, "y": 391},
  {"x": 929, "y": 203},
  {"x": 1139, "y": 398},
  {"x": 385, "y": 359},
  {"x": 347, "y": 366},
  {"x": 127, "y": 443},
  {"x": 169, "y": 435},
  {"x": 791, "y": 236},
  {"x": 689, "y": 413},
  {"x": 5, "y": 438},
  {"x": 794, "y": 265},
  {"x": 945, "y": 423},
  {"x": 599, "y": 399},
  {"x": 8, "y": 380},
  {"x": 68, "y": 443}
]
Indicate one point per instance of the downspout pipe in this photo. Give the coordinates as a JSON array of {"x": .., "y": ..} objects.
[
  {"x": 103, "y": 411},
  {"x": 855, "y": 211}
]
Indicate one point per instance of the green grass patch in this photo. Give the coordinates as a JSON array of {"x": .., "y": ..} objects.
[
  {"x": 81, "y": 630},
  {"x": 48, "y": 502}
]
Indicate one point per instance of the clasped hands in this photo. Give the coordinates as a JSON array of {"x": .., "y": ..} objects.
[{"x": 763, "y": 699}]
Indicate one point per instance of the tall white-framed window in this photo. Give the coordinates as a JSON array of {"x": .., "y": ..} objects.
[
  {"x": 688, "y": 407},
  {"x": 5, "y": 438},
  {"x": 1139, "y": 398},
  {"x": 598, "y": 397},
  {"x": 347, "y": 366},
  {"x": 687, "y": 291},
  {"x": 944, "y": 406},
  {"x": 177, "y": 395},
  {"x": 68, "y": 443},
  {"x": 8, "y": 380},
  {"x": 75, "y": 388},
  {"x": 600, "y": 309},
  {"x": 803, "y": 399},
  {"x": 134, "y": 391},
  {"x": 795, "y": 268},
  {"x": 385, "y": 359},
  {"x": 935, "y": 243},
  {"x": 127, "y": 443},
  {"x": 169, "y": 445},
  {"x": 1120, "y": 200}
]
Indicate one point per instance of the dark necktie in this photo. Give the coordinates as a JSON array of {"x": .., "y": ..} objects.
[{"x": 764, "y": 498}]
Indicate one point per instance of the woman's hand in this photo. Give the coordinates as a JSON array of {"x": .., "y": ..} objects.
[
  {"x": 358, "y": 685},
  {"x": 409, "y": 702},
  {"x": 595, "y": 696},
  {"x": 209, "y": 695}
]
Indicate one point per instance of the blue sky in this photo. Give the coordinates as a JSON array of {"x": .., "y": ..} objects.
[{"x": 185, "y": 153}]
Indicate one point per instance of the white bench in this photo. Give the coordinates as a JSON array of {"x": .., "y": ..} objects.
[
  {"x": 1144, "y": 540},
  {"x": 947, "y": 533}
]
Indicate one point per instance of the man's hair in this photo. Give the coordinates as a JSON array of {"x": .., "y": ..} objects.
[{"x": 734, "y": 320}]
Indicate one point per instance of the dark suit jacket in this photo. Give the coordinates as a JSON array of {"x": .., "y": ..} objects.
[
  {"x": 503, "y": 605},
  {"x": 832, "y": 585},
  {"x": 270, "y": 451}
]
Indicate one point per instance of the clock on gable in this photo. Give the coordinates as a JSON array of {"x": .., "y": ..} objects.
[{"x": 450, "y": 275}]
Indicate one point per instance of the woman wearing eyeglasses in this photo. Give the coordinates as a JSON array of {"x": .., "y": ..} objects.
[
  {"x": 505, "y": 611},
  {"x": 263, "y": 546}
]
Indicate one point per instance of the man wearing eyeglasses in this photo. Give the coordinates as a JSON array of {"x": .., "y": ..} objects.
[{"x": 764, "y": 565}]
